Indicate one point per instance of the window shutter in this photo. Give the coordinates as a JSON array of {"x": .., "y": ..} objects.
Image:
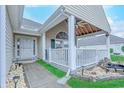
[{"x": 52, "y": 43}]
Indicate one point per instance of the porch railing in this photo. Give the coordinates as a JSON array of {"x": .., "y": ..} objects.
[
  {"x": 101, "y": 54},
  {"x": 84, "y": 57},
  {"x": 59, "y": 56}
]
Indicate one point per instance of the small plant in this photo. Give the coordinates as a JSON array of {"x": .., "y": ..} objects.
[
  {"x": 111, "y": 50},
  {"x": 122, "y": 48}
]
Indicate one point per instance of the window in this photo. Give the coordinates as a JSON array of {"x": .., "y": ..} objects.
[
  {"x": 62, "y": 35},
  {"x": 61, "y": 40},
  {"x": 59, "y": 43},
  {"x": 33, "y": 47},
  {"x": 18, "y": 47},
  {"x": 65, "y": 43},
  {"x": 52, "y": 43}
]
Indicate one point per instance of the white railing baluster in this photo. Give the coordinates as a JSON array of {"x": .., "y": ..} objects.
[
  {"x": 59, "y": 56},
  {"x": 83, "y": 56},
  {"x": 89, "y": 56},
  {"x": 49, "y": 52}
]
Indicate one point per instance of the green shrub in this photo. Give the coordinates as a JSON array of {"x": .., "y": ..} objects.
[
  {"x": 117, "y": 58},
  {"x": 111, "y": 50},
  {"x": 122, "y": 48}
]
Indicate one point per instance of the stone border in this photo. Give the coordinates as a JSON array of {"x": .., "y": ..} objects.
[
  {"x": 25, "y": 78},
  {"x": 94, "y": 79}
]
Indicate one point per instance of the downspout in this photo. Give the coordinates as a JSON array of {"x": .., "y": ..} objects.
[
  {"x": 64, "y": 80},
  {"x": 67, "y": 15},
  {"x": 63, "y": 13}
]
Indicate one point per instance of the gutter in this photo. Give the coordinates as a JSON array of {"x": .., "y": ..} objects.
[
  {"x": 63, "y": 12},
  {"x": 60, "y": 11}
]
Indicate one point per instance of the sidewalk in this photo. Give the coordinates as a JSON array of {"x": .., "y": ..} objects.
[{"x": 39, "y": 77}]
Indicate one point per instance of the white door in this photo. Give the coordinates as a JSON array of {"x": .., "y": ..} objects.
[{"x": 25, "y": 48}]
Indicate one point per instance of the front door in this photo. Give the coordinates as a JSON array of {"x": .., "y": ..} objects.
[{"x": 25, "y": 48}]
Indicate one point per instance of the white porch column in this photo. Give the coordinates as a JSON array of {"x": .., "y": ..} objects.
[
  {"x": 108, "y": 45},
  {"x": 43, "y": 45},
  {"x": 2, "y": 46},
  {"x": 71, "y": 42}
]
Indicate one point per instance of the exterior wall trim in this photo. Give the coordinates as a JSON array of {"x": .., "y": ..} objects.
[{"x": 3, "y": 47}]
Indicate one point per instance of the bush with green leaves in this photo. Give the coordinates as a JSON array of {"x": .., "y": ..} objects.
[
  {"x": 122, "y": 48},
  {"x": 111, "y": 50}
]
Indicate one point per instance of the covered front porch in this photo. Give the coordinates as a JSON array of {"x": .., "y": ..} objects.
[{"x": 60, "y": 44}]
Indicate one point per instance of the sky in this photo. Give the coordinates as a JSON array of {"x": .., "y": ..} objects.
[
  {"x": 114, "y": 14},
  {"x": 39, "y": 13}
]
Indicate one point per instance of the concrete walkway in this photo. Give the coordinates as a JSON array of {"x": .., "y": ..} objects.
[{"x": 39, "y": 77}]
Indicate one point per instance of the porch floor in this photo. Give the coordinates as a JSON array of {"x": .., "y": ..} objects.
[{"x": 39, "y": 77}]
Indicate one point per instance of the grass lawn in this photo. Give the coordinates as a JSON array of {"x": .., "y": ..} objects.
[
  {"x": 57, "y": 72},
  {"x": 117, "y": 58},
  {"x": 77, "y": 83}
]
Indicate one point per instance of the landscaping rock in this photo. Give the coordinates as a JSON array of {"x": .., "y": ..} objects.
[
  {"x": 98, "y": 73},
  {"x": 16, "y": 70}
]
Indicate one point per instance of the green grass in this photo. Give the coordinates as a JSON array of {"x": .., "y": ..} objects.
[
  {"x": 117, "y": 58},
  {"x": 57, "y": 72},
  {"x": 77, "y": 83}
]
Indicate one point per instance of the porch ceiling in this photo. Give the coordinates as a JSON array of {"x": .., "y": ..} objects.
[
  {"x": 30, "y": 25},
  {"x": 83, "y": 28}
]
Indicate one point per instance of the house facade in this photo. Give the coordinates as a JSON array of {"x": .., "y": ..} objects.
[
  {"x": 99, "y": 42},
  {"x": 55, "y": 41}
]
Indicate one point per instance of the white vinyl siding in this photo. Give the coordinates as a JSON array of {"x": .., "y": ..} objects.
[
  {"x": 116, "y": 47},
  {"x": 2, "y": 46},
  {"x": 39, "y": 47},
  {"x": 93, "y": 14},
  {"x": 3, "y": 72},
  {"x": 9, "y": 44},
  {"x": 51, "y": 34}
]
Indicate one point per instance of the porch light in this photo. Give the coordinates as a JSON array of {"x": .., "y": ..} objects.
[
  {"x": 15, "y": 79},
  {"x": 18, "y": 43}
]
